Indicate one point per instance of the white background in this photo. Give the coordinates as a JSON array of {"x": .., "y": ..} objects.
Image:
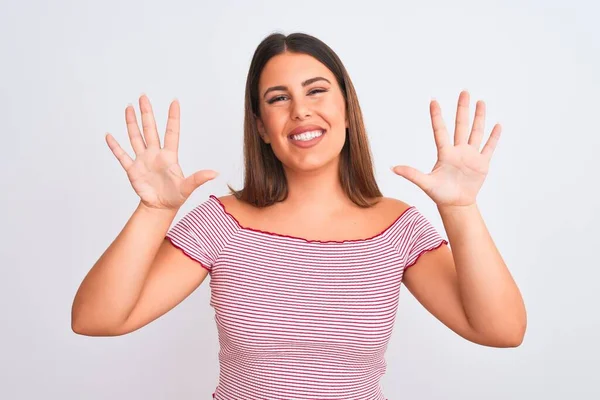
[{"x": 69, "y": 68}]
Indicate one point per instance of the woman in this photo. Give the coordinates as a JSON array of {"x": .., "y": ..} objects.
[{"x": 306, "y": 260}]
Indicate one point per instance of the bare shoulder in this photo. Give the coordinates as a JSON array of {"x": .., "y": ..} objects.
[
  {"x": 391, "y": 207},
  {"x": 399, "y": 204},
  {"x": 353, "y": 222},
  {"x": 385, "y": 205},
  {"x": 244, "y": 213},
  {"x": 228, "y": 200},
  {"x": 233, "y": 205}
]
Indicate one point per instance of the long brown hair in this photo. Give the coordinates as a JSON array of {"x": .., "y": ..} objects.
[{"x": 264, "y": 179}]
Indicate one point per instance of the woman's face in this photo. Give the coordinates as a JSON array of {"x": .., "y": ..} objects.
[{"x": 296, "y": 90}]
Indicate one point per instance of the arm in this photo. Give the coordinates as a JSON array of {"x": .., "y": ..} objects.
[
  {"x": 138, "y": 278},
  {"x": 469, "y": 289},
  {"x": 141, "y": 276}
]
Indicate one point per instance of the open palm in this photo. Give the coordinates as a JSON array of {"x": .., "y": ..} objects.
[
  {"x": 460, "y": 169},
  {"x": 155, "y": 173}
]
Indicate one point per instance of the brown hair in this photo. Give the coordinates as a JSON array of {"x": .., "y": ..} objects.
[{"x": 264, "y": 179}]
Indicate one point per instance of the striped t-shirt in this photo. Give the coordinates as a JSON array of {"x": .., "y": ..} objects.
[{"x": 301, "y": 319}]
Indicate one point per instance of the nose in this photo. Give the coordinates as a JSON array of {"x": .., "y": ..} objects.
[{"x": 300, "y": 110}]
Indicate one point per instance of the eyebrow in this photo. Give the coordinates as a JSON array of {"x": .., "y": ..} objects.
[{"x": 305, "y": 83}]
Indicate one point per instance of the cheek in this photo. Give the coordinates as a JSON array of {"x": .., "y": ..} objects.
[
  {"x": 274, "y": 121},
  {"x": 334, "y": 111}
]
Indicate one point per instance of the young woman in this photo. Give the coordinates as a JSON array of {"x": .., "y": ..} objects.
[{"x": 307, "y": 259}]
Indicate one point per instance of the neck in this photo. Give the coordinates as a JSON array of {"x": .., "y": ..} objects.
[{"x": 316, "y": 193}]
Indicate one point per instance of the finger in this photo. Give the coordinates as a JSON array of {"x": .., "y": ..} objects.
[
  {"x": 148, "y": 123},
  {"x": 440, "y": 133},
  {"x": 133, "y": 131},
  {"x": 173, "y": 124},
  {"x": 461, "y": 128},
  {"x": 478, "y": 125},
  {"x": 121, "y": 155},
  {"x": 196, "y": 180},
  {"x": 492, "y": 142},
  {"x": 413, "y": 175}
]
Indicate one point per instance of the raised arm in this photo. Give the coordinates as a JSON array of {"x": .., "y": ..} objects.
[{"x": 142, "y": 275}]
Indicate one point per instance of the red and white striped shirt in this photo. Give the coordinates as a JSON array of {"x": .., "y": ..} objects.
[{"x": 301, "y": 319}]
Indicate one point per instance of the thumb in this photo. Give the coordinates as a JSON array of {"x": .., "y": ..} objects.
[
  {"x": 411, "y": 174},
  {"x": 196, "y": 180}
]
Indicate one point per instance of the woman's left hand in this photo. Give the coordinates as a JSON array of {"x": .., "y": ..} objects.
[{"x": 461, "y": 168}]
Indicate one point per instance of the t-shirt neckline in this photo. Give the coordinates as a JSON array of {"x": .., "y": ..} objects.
[{"x": 280, "y": 235}]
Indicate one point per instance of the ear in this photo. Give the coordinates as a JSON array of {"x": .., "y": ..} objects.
[{"x": 261, "y": 130}]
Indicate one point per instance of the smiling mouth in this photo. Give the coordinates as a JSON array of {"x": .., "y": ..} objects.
[
  {"x": 308, "y": 141},
  {"x": 307, "y": 136}
]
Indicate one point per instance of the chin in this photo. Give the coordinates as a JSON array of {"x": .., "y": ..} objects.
[{"x": 309, "y": 164}]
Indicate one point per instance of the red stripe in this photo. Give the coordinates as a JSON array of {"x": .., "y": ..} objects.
[{"x": 301, "y": 318}]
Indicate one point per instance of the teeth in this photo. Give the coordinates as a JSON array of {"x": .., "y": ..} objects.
[{"x": 304, "y": 136}]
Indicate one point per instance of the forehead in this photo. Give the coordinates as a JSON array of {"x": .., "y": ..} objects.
[{"x": 291, "y": 69}]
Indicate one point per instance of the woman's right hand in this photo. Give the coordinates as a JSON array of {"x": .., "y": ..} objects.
[{"x": 155, "y": 173}]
